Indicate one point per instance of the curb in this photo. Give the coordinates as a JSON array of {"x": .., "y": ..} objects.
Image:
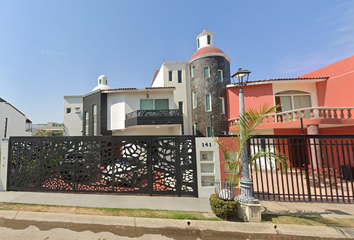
[{"x": 195, "y": 225}]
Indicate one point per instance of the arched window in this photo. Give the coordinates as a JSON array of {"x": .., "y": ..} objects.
[
  {"x": 292, "y": 100},
  {"x": 100, "y": 81}
]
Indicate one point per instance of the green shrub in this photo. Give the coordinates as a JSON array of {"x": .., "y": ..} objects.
[{"x": 225, "y": 209}]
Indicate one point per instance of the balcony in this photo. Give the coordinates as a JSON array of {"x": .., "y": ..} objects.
[
  {"x": 313, "y": 115},
  {"x": 154, "y": 117}
]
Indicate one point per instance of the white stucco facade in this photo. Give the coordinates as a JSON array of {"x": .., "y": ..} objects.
[
  {"x": 182, "y": 92},
  {"x": 122, "y": 102},
  {"x": 73, "y": 106},
  {"x": 16, "y": 121}
]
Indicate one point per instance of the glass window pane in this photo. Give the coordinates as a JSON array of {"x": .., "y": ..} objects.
[
  {"x": 180, "y": 106},
  {"x": 179, "y": 76},
  {"x": 194, "y": 99},
  {"x": 161, "y": 104},
  {"x": 207, "y": 102},
  {"x": 146, "y": 104},
  {"x": 170, "y": 75},
  {"x": 208, "y": 132},
  {"x": 193, "y": 71},
  {"x": 206, "y": 72},
  {"x": 222, "y": 107},
  {"x": 220, "y": 76}
]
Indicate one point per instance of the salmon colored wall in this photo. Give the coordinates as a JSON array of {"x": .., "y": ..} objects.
[
  {"x": 229, "y": 142},
  {"x": 255, "y": 96},
  {"x": 337, "y": 130},
  {"x": 341, "y": 81},
  {"x": 285, "y": 131}
]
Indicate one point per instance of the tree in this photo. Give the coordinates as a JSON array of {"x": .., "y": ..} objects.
[{"x": 249, "y": 121}]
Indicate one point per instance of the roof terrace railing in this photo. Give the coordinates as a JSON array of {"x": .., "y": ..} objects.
[{"x": 326, "y": 113}]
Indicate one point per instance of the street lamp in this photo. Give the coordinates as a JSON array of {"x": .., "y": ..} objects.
[{"x": 246, "y": 183}]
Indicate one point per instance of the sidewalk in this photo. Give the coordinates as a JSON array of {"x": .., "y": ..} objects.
[
  {"x": 176, "y": 203},
  {"x": 330, "y": 210}
]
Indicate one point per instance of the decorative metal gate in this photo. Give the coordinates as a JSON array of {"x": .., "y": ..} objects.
[{"x": 127, "y": 165}]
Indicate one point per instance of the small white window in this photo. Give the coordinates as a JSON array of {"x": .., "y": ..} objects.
[
  {"x": 77, "y": 110},
  {"x": 207, "y": 102},
  {"x": 222, "y": 105},
  {"x": 194, "y": 99}
]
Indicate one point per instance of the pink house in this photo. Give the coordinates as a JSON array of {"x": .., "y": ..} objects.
[{"x": 322, "y": 99}]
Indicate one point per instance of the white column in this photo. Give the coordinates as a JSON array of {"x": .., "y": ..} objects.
[{"x": 4, "y": 164}]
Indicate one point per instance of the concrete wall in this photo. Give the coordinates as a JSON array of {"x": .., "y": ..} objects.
[
  {"x": 16, "y": 122},
  {"x": 73, "y": 120}
]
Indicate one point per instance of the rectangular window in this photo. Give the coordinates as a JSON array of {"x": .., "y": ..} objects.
[
  {"x": 170, "y": 76},
  {"x": 77, "y": 110},
  {"x": 198, "y": 43},
  {"x": 222, "y": 105},
  {"x": 68, "y": 110},
  {"x": 207, "y": 102},
  {"x": 220, "y": 76},
  {"x": 206, "y": 72},
  {"x": 94, "y": 117},
  {"x": 146, "y": 104},
  {"x": 161, "y": 104},
  {"x": 194, "y": 99},
  {"x": 208, "y": 131},
  {"x": 179, "y": 76},
  {"x": 195, "y": 128},
  {"x": 180, "y": 106},
  {"x": 193, "y": 71},
  {"x": 208, "y": 39},
  {"x": 86, "y": 123}
]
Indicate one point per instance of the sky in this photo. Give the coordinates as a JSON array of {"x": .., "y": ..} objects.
[{"x": 53, "y": 48}]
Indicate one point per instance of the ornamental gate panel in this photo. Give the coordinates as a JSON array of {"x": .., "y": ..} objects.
[{"x": 125, "y": 165}]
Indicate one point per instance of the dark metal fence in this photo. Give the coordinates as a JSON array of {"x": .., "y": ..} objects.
[
  {"x": 130, "y": 164},
  {"x": 320, "y": 168}
]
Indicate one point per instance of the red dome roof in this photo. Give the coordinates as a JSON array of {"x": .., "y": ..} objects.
[{"x": 206, "y": 50}]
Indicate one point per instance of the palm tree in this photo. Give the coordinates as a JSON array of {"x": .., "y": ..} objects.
[{"x": 246, "y": 126}]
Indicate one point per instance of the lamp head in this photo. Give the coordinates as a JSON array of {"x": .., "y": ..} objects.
[{"x": 241, "y": 74}]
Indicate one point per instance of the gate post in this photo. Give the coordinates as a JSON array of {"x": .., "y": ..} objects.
[{"x": 4, "y": 164}]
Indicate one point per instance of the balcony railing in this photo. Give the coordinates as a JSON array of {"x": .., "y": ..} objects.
[
  {"x": 323, "y": 113},
  {"x": 154, "y": 113},
  {"x": 154, "y": 117}
]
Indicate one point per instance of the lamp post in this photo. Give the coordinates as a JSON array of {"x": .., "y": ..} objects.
[{"x": 246, "y": 183}]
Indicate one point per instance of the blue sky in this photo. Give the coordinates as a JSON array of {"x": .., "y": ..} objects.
[{"x": 52, "y": 48}]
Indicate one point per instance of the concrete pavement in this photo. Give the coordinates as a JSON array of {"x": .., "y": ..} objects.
[{"x": 177, "y": 203}]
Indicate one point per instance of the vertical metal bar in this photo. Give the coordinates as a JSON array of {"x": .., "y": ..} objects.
[
  {"x": 333, "y": 162},
  {"x": 344, "y": 163},
  {"x": 10, "y": 166},
  {"x": 281, "y": 151},
  {"x": 338, "y": 164},
  {"x": 289, "y": 145},
  {"x": 350, "y": 167},
  {"x": 321, "y": 168},
  {"x": 296, "y": 172},
  {"x": 150, "y": 166},
  {"x": 276, "y": 165},
  {"x": 307, "y": 171},
  {"x": 271, "y": 172},
  {"x": 327, "y": 157},
  {"x": 178, "y": 149},
  {"x": 324, "y": 163}
]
